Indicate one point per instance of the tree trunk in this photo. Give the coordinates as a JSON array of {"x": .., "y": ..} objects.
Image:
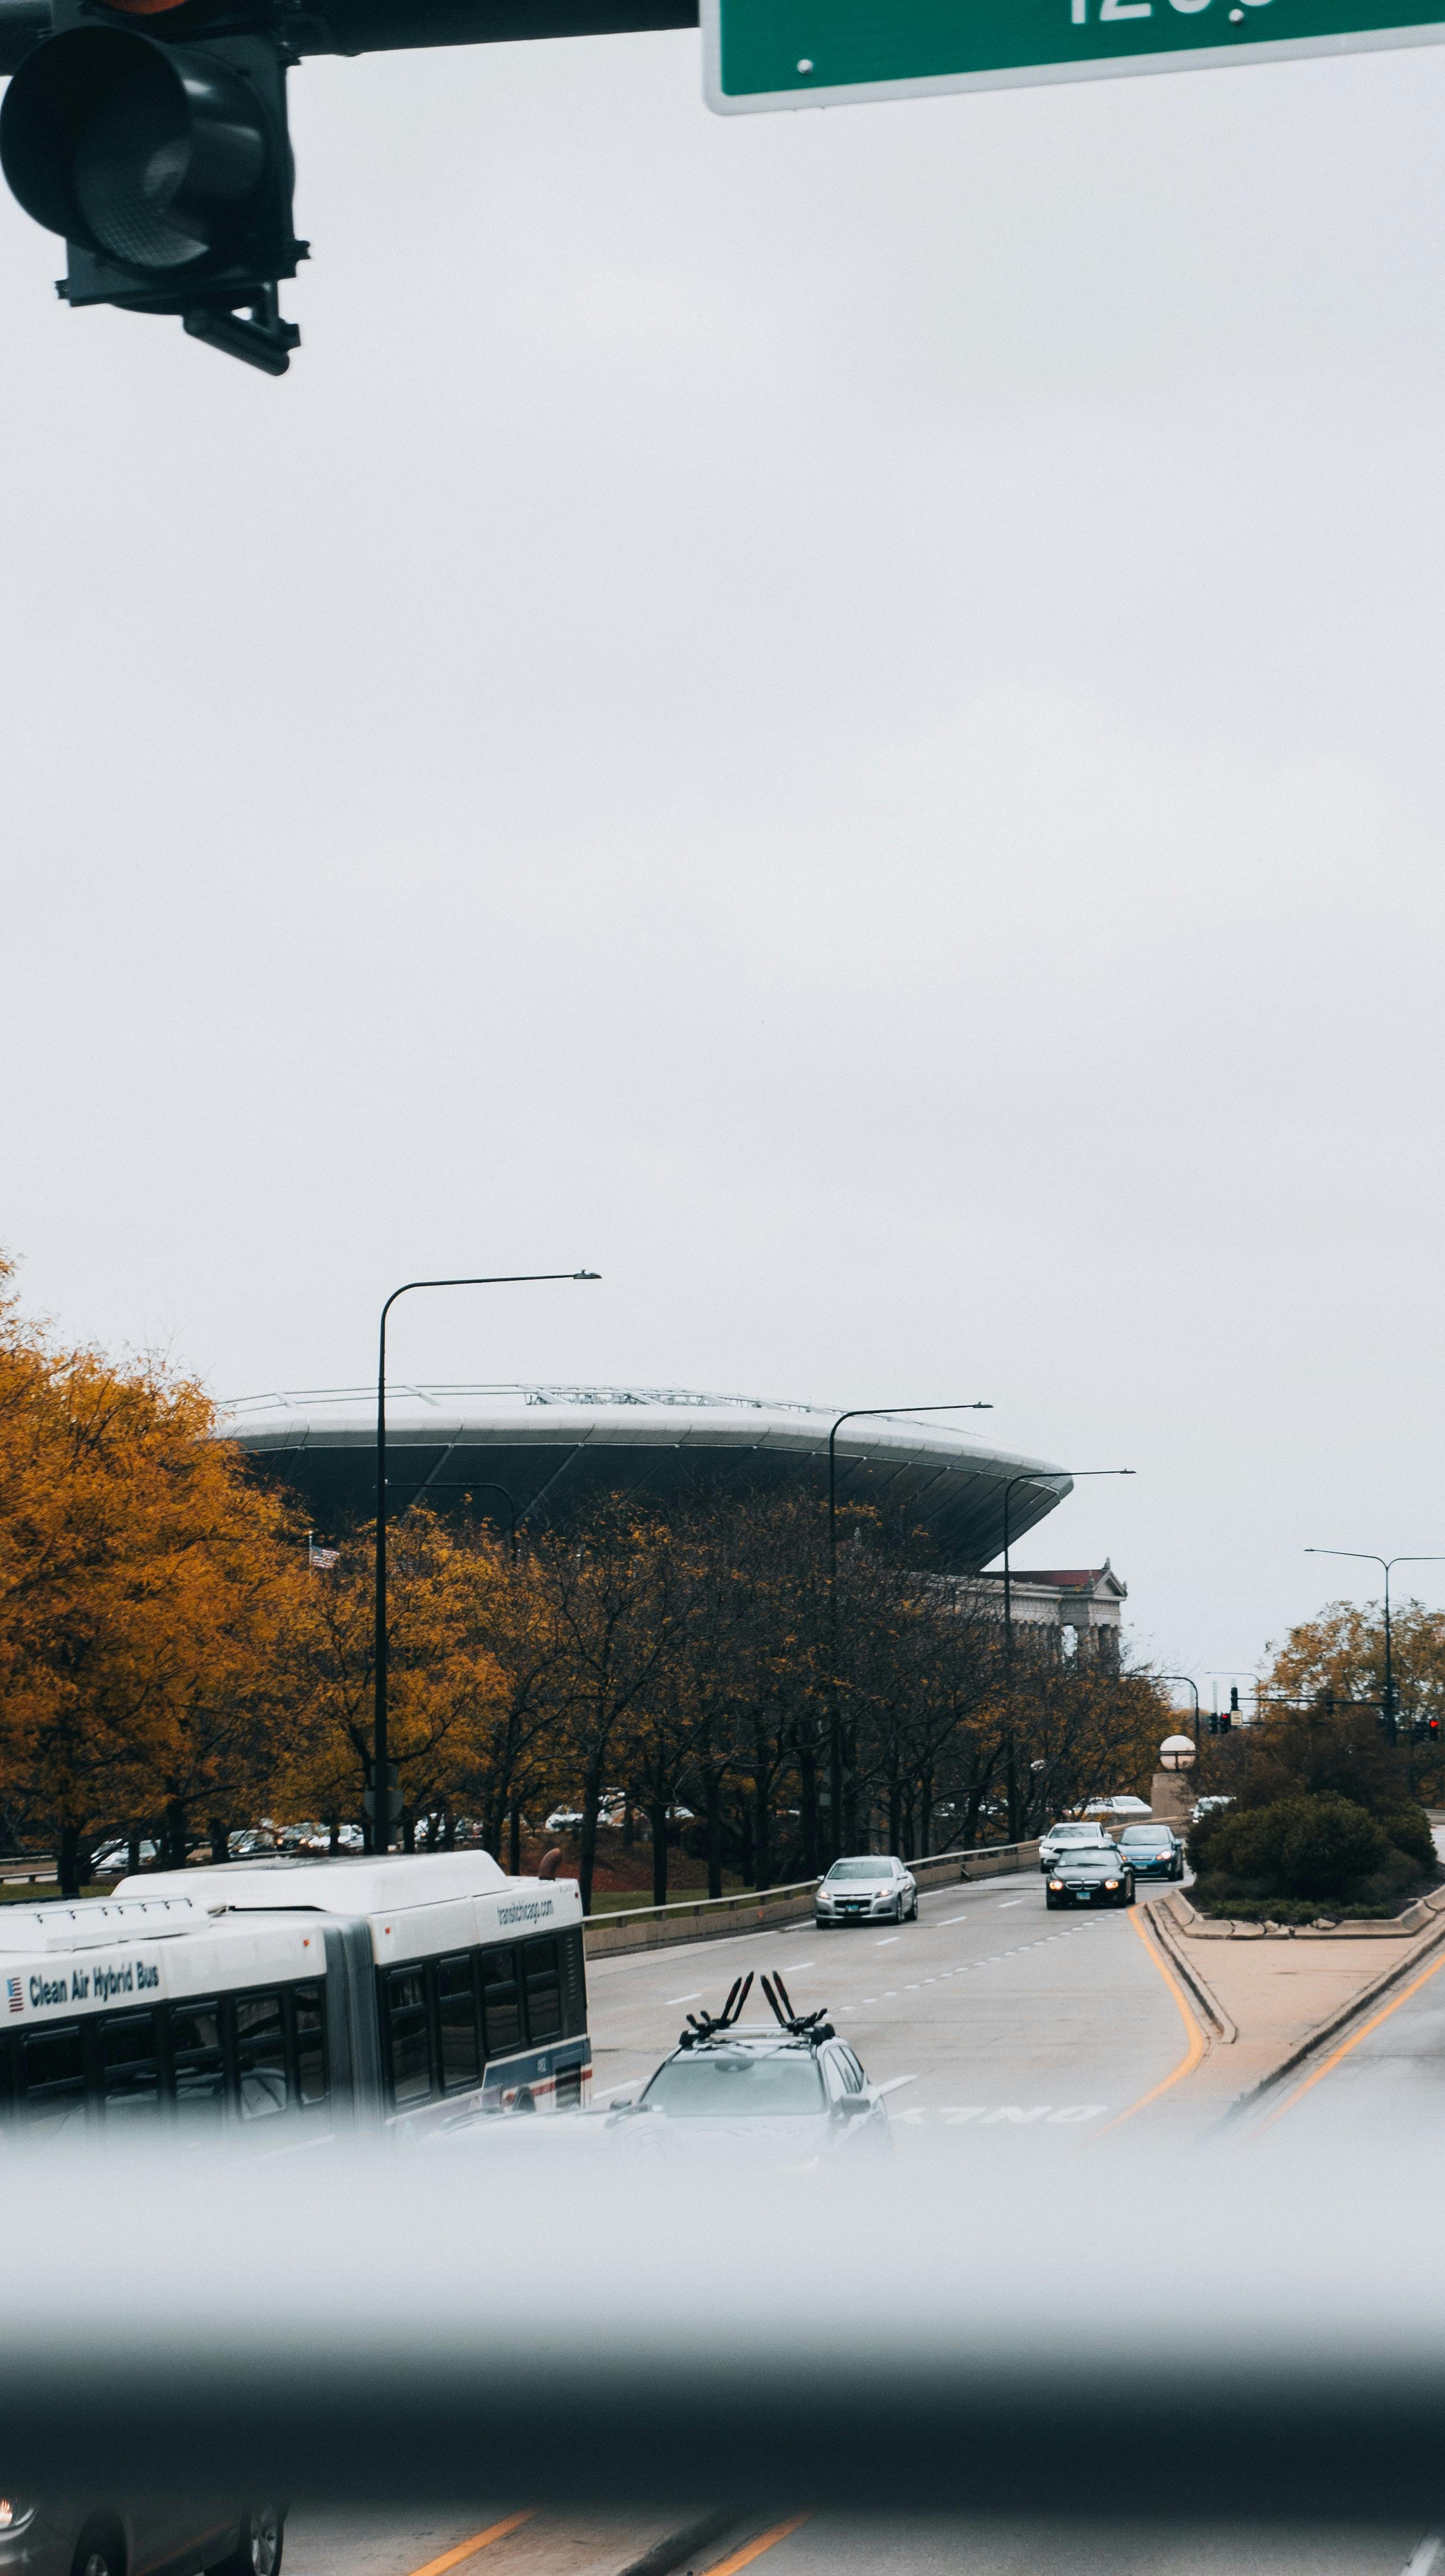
[
  {"x": 658, "y": 1813},
  {"x": 132, "y": 1854},
  {"x": 176, "y": 1834},
  {"x": 514, "y": 1838},
  {"x": 449, "y": 1838},
  {"x": 808, "y": 1801},
  {"x": 925, "y": 1808},
  {"x": 762, "y": 1838},
  {"x": 333, "y": 1828},
  {"x": 408, "y": 1834},
  {"x": 712, "y": 1809},
  {"x": 68, "y": 1861},
  {"x": 895, "y": 1812},
  {"x": 750, "y": 1871},
  {"x": 220, "y": 1849},
  {"x": 587, "y": 1855}
]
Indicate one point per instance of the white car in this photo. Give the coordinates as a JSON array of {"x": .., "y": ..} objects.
[
  {"x": 1062, "y": 1838},
  {"x": 865, "y": 1889}
]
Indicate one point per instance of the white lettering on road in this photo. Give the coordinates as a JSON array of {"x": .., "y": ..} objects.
[
  {"x": 681, "y": 1999},
  {"x": 888, "y": 1944}
]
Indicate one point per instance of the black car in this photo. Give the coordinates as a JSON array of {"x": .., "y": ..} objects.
[
  {"x": 1152, "y": 1851},
  {"x": 1090, "y": 1877}
]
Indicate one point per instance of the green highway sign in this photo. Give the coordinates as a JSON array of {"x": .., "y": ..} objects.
[{"x": 825, "y": 53}]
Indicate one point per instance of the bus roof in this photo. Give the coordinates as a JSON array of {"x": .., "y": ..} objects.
[{"x": 366, "y": 1885}]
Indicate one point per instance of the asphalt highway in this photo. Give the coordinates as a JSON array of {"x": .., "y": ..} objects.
[
  {"x": 824, "y": 2544},
  {"x": 989, "y": 2011}
]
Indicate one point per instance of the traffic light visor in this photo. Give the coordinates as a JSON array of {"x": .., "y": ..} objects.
[{"x": 149, "y": 154}]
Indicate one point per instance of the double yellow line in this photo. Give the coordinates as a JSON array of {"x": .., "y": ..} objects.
[{"x": 730, "y": 2566}]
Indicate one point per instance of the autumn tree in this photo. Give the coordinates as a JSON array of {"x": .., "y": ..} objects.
[{"x": 141, "y": 1578}]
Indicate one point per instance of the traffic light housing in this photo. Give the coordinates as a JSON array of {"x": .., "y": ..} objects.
[{"x": 152, "y": 136}]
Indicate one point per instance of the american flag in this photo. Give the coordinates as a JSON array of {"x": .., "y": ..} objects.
[{"x": 16, "y": 2000}]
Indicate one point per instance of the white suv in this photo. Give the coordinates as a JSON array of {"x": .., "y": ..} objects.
[
  {"x": 866, "y": 1888},
  {"x": 1062, "y": 1838}
]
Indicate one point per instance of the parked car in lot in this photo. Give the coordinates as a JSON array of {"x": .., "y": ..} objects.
[
  {"x": 50, "y": 2535},
  {"x": 1088, "y": 1876},
  {"x": 1065, "y": 1838},
  {"x": 1152, "y": 1851},
  {"x": 869, "y": 1887}
]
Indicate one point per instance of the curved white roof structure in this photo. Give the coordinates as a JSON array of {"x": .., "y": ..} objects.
[{"x": 543, "y": 1451}]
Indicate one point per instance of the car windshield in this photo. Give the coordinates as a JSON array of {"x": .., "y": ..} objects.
[
  {"x": 1146, "y": 1838},
  {"x": 1076, "y": 1833},
  {"x": 860, "y": 1869},
  {"x": 730, "y": 2083},
  {"x": 1092, "y": 1859}
]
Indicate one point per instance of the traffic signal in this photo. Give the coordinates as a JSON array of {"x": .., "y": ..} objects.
[
  {"x": 1214, "y": 1721},
  {"x": 161, "y": 155}
]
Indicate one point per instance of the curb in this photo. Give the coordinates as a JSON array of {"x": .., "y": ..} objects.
[
  {"x": 1334, "y": 2023},
  {"x": 669, "y": 2552},
  {"x": 1204, "y": 1995}
]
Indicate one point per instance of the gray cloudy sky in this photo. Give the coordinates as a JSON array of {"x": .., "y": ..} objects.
[{"x": 834, "y": 715}]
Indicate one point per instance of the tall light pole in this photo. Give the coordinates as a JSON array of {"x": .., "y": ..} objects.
[
  {"x": 855, "y": 1413},
  {"x": 1034, "y": 1476},
  {"x": 1363, "y": 1556},
  {"x": 380, "y": 1781}
]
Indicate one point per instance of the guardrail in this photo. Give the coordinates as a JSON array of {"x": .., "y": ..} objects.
[{"x": 710, "y": 1918}]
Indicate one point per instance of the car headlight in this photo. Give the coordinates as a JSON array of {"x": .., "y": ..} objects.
[
  {"x": 1056, "y": 1887},
  {"x": 14, "y": 2510},
  {"x": 1111, "y": 1882}
]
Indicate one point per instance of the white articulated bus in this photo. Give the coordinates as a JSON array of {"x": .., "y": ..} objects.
[{"x": 335, "y": 1995}]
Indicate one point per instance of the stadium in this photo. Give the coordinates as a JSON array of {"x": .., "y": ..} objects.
[{"x": 511, "y": 1454}]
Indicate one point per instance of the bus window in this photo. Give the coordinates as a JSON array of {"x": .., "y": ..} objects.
[
  {"x": 544, "y": 1995},
  {"x": 457, "y": 2013},
  {"x": 407, "y": 2030},
  {"x": 130, "y": 2066},
  {"x": 199, "y": 2060},
  {"x": 501, "y": 2002},
  {"x": 310, "y": 2046},
  {"x": 574, "y": 1984},
  {"x": 261, "y": 2055},
  {"x": 53, "y": 2066}
]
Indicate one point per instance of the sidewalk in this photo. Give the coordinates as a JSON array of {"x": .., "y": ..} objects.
[{"x": 1260, "y": 2001}]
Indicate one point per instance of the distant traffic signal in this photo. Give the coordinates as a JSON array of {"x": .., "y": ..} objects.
[{"x": 163, "y": 159}]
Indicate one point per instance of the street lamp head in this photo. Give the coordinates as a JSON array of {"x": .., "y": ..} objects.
[{"x": 586, "y": 1274}]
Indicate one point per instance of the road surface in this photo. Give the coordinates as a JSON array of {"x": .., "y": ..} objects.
[{"x": 989, "y": 2011}]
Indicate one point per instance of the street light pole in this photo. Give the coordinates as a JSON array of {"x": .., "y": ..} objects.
[
  {"x": 1033, "y": 1476},
  {"x": 855, "y": 1413},
  {"x": 1364, "y": 1556},
  {"x": 380, "y": 1782}
]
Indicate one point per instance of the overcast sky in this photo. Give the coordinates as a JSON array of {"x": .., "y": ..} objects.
[{"x": 834, "y": 715}]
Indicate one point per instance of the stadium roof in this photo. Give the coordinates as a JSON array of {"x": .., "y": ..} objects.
[{"x": 548, "y": 1450}]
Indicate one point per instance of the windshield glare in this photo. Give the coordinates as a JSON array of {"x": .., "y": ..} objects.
[
  {"x": 1147, "y": 1838},
  {"x": 730, "y": 2084},
  {"x": 1076, "y": 1833},
  {"x": 860, "y": 1869}
]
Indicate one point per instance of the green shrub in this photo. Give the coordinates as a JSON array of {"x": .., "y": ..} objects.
[
  {"x": 1409, "y": 1831},
  {"x": 1297, "y": 1847},
  {"x": 1292, "y": 1909}
]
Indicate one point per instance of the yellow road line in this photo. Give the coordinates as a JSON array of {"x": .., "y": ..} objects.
[
  {"x": 754, "y": 2548},
  {"x": 479, "y": 2540},
  {"x": 1192, "y": 2054},
  {"x": 1330, "y": 2063}
]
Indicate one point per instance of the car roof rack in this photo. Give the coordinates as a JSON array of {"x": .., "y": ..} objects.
[
  {"x": 706, "y": 2027},
  {"x": 812, "y": 2026}
]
